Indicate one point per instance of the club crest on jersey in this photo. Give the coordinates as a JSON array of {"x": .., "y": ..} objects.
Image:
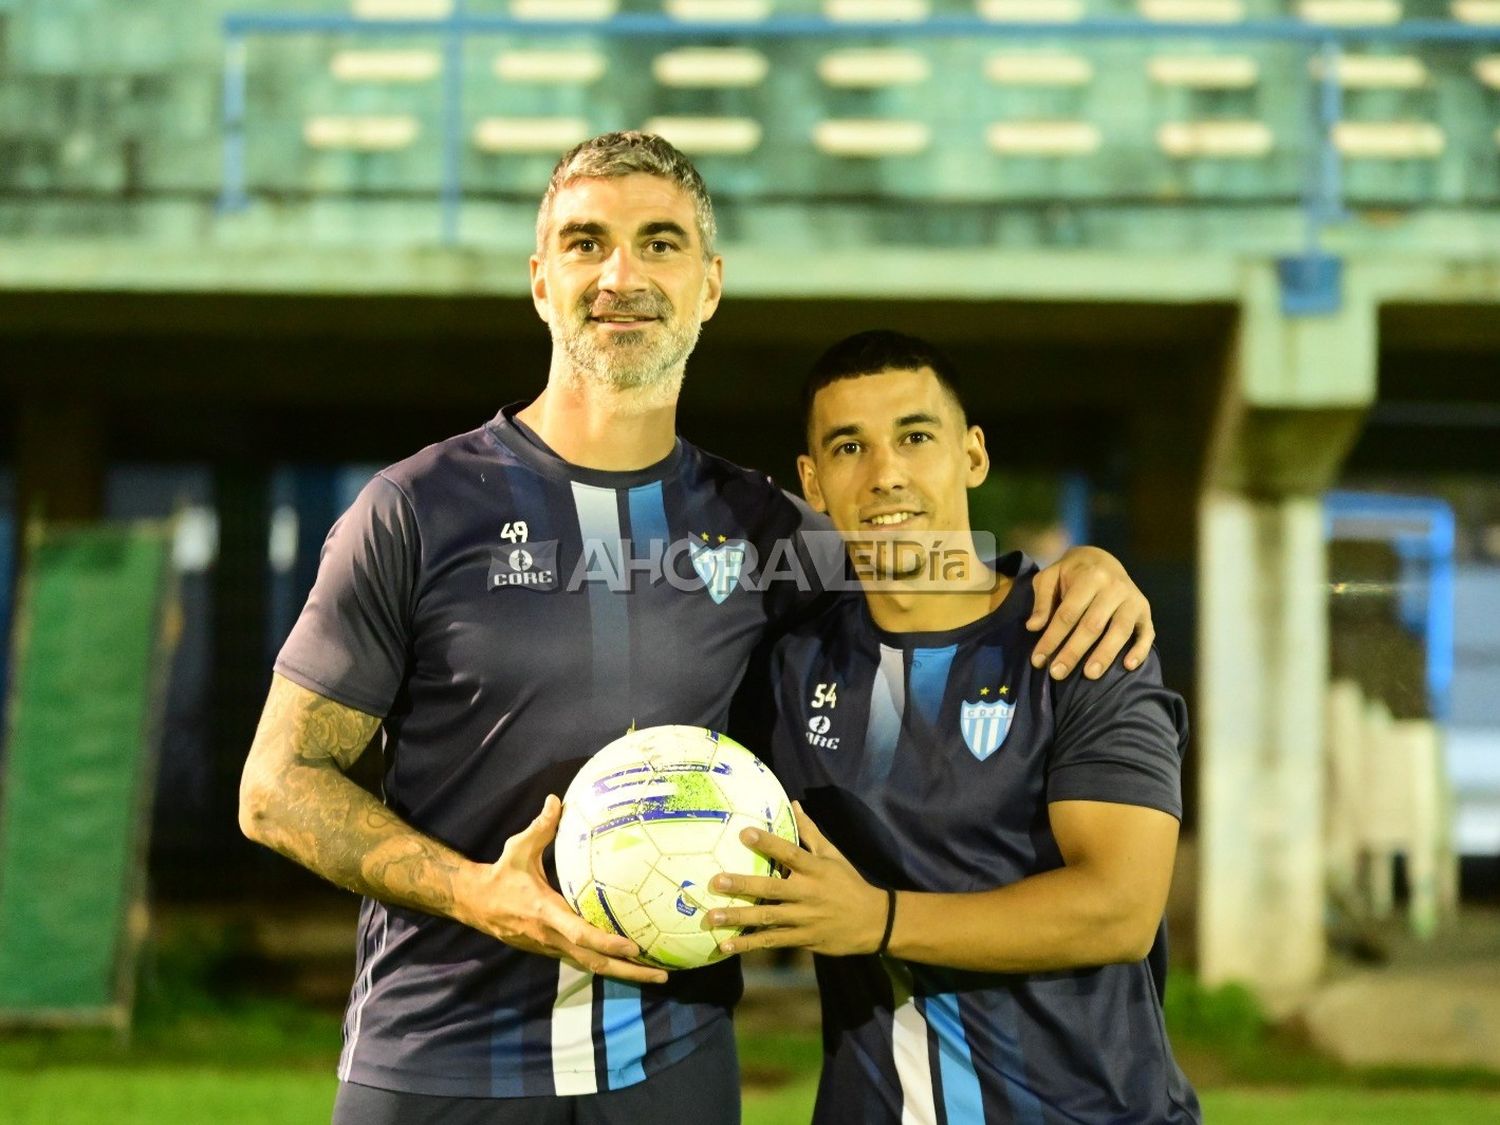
[
  {"x": 719, "y": 566},
  {"x": 985, "y": 725}
]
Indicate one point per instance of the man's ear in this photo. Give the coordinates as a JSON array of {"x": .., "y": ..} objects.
[
  {"x": 539, "y": 287},
  {"x": 978, "y": 457},
  {"x": 811, "y": 491},
  {"x": 713, "y": 287}
]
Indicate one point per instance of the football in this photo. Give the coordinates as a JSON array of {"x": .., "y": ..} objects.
[{"x": 649, "y": 820}]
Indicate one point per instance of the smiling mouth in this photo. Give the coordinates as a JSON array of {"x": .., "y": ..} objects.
[
  {"x": 626, "y": 321},
  {"x": 890, "y": 519}
]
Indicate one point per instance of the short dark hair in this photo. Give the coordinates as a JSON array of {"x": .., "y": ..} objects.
[{"x": 870, "y": 353}]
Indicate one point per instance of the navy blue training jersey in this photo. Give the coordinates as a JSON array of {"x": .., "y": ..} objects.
[
  {"x": 929, "y": 759},
  {"x": 508, "y": 614}
]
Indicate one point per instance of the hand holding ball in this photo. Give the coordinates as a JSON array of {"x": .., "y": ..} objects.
[{"x": 649, "y": 820}]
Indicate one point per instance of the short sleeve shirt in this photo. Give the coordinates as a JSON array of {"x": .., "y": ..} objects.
[{"x": 506, "y": 614}]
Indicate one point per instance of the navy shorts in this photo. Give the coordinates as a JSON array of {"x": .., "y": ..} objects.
[{"x": 703, "y": 1088}]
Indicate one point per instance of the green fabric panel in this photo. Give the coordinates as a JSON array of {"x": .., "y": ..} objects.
[{"x": 78, "y": 756}]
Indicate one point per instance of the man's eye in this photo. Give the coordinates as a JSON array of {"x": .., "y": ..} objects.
[
  {"x": 845, "y": 448},
  {"x": 917, "y": 437},
  {"x": 660, "y": 246},
  {"x": 584, "y": 245}
]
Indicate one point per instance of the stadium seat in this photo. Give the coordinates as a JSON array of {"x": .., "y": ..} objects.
[
  {"x": 1050, "y": 69},
  {"x": 1215, "y": 139},
  {"x": 697, "y": 68},
  {"x": 549, "y": 135},
  {"x": 870, "y": 137},
  {"x": 369, "y": 133},
  {"x": 1388, "y": 140},
  {"x": 1031, "y": 11},
  {"x": 707, "y": 11},
  {"x": 1204, "y": 72},
  {"x": 876, "y": 11},
  {"x": 1484, "y": 12},
  {"x": 868, "y": 69},
  {"x": 1043, "y": 138},
  {"x": 1376, "y": 72},
  {"x": 557, "y": 67},
  {"x": 708, "y": 136},
  {"x": 1193, "y": 11},
  {"x": 402, "y": 9},
  {"x": 391, "y": 66},
  {"x": 564, "y": 11},
  {"x": 1350, "y": 13}
]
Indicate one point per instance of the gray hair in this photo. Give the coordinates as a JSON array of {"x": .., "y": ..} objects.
[{"x": 622, "y": 154}]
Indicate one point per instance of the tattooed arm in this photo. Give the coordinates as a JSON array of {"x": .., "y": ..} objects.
[{"x": 296, "y": 799}]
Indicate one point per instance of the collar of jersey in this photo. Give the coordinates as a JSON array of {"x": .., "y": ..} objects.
[
  {"x": 527, "y": 446},
  {"x": 1014, "y": 607}
]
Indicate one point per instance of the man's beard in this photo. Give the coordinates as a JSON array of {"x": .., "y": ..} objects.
[{"x": 637, "y": 360}]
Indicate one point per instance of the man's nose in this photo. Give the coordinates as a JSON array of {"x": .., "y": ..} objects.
[
  {"x": 621, "y": 272},
  {"x": 887, "y": 473}
]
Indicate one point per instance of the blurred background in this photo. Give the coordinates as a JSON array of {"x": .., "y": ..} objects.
[{"x": 1224, "y": 279}]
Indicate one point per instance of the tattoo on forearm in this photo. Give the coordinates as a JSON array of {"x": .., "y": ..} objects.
[{"x": 323, "y": 820}]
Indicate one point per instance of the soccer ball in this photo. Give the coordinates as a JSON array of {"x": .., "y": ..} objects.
[{"x": 649, "y": 820}]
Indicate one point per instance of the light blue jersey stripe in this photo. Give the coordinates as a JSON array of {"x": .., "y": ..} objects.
[
  {"x": 648, "y": 519},
  {"x": 887, "y": 704},
  {"x": 929, "y": 680},
  {"x": 624, "y": 1034},
  {"x": 962, "y": 1102},
  {"x": 609, "y": 629},
  {"x": 609, "y": 620}
]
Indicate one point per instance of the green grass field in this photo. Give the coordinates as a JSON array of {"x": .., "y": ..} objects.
[
  {"x": 197, "y": 1095},
  {"x": 209, "y": 1053}
]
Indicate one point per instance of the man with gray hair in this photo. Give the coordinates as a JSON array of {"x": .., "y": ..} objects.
[{"x": 470, "y": 614}]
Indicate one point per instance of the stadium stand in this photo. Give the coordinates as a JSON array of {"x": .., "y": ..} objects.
[{"x": 367, "y": 104}]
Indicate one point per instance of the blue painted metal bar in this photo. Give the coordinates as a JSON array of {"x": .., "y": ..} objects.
[
  {"x": 1326, "y": 205},
  {"x": 232, "y": 195},
  {"x": 453, "y": 124},
  {"x": 807, "y": 27},
  {"x": 1422, "y": 530}
]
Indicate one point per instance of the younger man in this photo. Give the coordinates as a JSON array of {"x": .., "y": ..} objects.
[{"x": 986, "y": 944}]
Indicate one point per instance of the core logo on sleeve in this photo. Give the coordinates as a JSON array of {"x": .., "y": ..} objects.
[
  {"x": 817, "y": 733},
  {"x": 532, "y": 566},
  {"x": 718, "y": 566},
  {"x": 986, "y": 722}
]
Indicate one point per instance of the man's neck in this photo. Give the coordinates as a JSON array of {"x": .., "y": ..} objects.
[
  {"x": 598, "y": 428},
  {"x": 928, "y": 611}
]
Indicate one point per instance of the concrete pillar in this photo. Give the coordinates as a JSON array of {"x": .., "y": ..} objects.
[
  {"x": 1262, "y": 673},
  {"x": 1293, "y": 396}
]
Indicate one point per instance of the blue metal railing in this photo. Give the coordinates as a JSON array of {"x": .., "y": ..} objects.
[{"x": 1306, "y": 276}]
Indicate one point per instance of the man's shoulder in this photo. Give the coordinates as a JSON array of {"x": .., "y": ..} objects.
[
  {"x": 724, "y": 475},
  {"x": 833, "y": 621},
  {"x": 443, "y": 461}
]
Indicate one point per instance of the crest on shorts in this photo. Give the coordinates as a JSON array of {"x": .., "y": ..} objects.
[
  {"x": 985, "y": 725},
  {"x": 718, "y": 566}
]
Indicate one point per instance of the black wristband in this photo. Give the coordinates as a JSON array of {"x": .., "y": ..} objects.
[{"x": 890, "y": 921}]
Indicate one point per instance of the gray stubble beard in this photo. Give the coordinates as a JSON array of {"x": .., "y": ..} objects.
[{"x": 628, "y": 365}]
